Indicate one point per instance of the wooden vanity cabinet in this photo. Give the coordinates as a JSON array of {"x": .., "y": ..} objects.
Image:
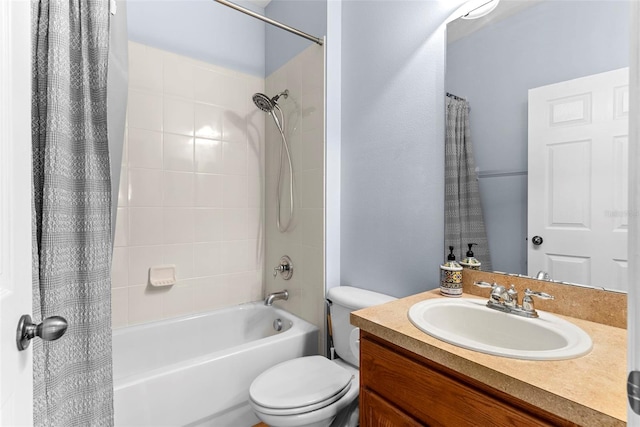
[{"x": 400, "y": 388}]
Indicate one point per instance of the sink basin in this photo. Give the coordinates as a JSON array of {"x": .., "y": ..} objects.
[{"x": 468, "y": 323}]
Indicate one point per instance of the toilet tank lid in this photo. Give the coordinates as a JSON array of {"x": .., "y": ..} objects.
[{"x": 356, "y": 298}]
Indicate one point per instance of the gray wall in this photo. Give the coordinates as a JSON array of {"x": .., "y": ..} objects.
[
  {"x": 392, "y": 173},
  {"x": 201, "y": 29},
  {"x": 309, "y": 16},
  {"x": 211, "y": 32},
  {"x": 495, "y": 67}
]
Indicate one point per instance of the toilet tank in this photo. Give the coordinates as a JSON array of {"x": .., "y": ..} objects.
[{"x": 346, "y": 299}]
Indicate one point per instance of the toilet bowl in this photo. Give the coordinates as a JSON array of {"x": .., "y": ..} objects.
[{"x": 314, "y": 391}]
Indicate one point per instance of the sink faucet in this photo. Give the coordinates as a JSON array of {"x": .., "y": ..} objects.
[
  {"x": 283, "y": 295},
  {"x": 506, "y": 300},
  {"x": 543, "y": 275}
]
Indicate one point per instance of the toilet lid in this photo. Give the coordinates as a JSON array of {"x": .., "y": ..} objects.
[{"x": 299, "y": 383}]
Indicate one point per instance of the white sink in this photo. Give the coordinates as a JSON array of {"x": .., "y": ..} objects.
[{"x": 470, "y": 324}]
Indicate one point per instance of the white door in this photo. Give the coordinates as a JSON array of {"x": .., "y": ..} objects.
[
  {"x": 15, "y": 210},
  {"x": 578, "y": 180},
  {"x": 633, "y": 298}
]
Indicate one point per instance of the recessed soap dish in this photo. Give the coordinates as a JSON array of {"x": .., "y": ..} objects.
[{"x": 162, "y": 275}]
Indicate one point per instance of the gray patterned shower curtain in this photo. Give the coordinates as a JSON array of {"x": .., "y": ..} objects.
[
  {"x": 72, "y": 203},
  {"x": 464, "y": 222}
]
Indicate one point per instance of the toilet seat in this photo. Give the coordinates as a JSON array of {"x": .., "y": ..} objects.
[
  {"x": 298, "y": 386},
  {"x": 301, "y": 409}
]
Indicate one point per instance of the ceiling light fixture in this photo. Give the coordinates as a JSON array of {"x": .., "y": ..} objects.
[{"x": 481, "y": 10}]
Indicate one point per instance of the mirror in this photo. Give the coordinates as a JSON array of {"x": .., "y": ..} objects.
[{"x": 492, "y": 62}]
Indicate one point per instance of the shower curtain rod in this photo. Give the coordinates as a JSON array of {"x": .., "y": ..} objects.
[
  {"x": 271, "y": 21},
  {"x": 498, "y": 173},
  {"x": 456, "y": 97}
]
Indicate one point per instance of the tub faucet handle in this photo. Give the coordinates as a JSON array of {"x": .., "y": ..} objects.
[
  {"x": 279, "y": 269},
  {"x": 285, "y": 268}
]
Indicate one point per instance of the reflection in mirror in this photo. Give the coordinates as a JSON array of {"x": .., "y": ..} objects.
[{"x": 494, "y": 62}]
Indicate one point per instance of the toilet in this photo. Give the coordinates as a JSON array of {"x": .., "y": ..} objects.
[{"x": 314, "y": 391}]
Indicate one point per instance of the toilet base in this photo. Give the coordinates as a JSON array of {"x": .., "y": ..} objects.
[
  {"x": 273, "y": 421},
  {"x": 349, "y": 416}
]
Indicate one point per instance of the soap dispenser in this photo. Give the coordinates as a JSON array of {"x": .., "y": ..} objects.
[
  {"x": 470, "y": 261},
  {"x": 451, "y": 276}
]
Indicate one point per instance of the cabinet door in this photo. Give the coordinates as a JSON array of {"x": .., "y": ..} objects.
[
  {"x": 377, "y": 412},
  {"x": 437, "y": 396}
]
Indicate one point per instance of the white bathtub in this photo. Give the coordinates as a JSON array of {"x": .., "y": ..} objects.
[{"x": 196, "y": 370}]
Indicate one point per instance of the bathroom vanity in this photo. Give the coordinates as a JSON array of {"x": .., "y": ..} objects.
[
  {"x": 410, "y": 378},
  {"x": 397, "y": 383}
]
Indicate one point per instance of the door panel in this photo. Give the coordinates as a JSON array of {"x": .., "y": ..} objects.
[
  {"x": 15, "y": 210},
  {"x": 577, "y": 194},
  {"x": 568, "y": 196}
]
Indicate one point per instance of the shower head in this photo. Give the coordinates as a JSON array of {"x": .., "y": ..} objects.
[
  {"x": 267, "y": 104},
  {"x": 263, "y": 102}
]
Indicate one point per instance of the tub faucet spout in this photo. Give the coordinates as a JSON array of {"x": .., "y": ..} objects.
[{"x": 283, "y": 295}]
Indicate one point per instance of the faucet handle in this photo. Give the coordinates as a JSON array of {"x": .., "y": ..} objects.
[
  {"x": 541, "y": 295},
  {"x": 278, "y": 269},
  {"x": 485, "y": 285},
  {"x": 497, "y": 291},
  {"x": 527, "y": 301},
  {"x": 285, "y": 268}
]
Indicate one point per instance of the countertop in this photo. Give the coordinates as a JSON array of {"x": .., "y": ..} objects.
[{"x": 589, "y": 390}]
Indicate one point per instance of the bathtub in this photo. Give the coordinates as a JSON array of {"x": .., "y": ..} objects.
[{"x": 196, "y": 370}]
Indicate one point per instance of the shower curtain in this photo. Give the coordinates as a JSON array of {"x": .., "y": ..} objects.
[
  {"x": 464, "y": 222},
  {"x": 72, "y": 202}
]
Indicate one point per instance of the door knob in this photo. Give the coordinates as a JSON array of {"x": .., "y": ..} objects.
[
  {"x": 50, "y": 329},
  {"x": 537, "y": 240}
]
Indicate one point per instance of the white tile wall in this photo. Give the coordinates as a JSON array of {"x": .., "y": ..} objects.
[
  {"x": 304, "y": 243},
  {"x": 191, "y": 189}
]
